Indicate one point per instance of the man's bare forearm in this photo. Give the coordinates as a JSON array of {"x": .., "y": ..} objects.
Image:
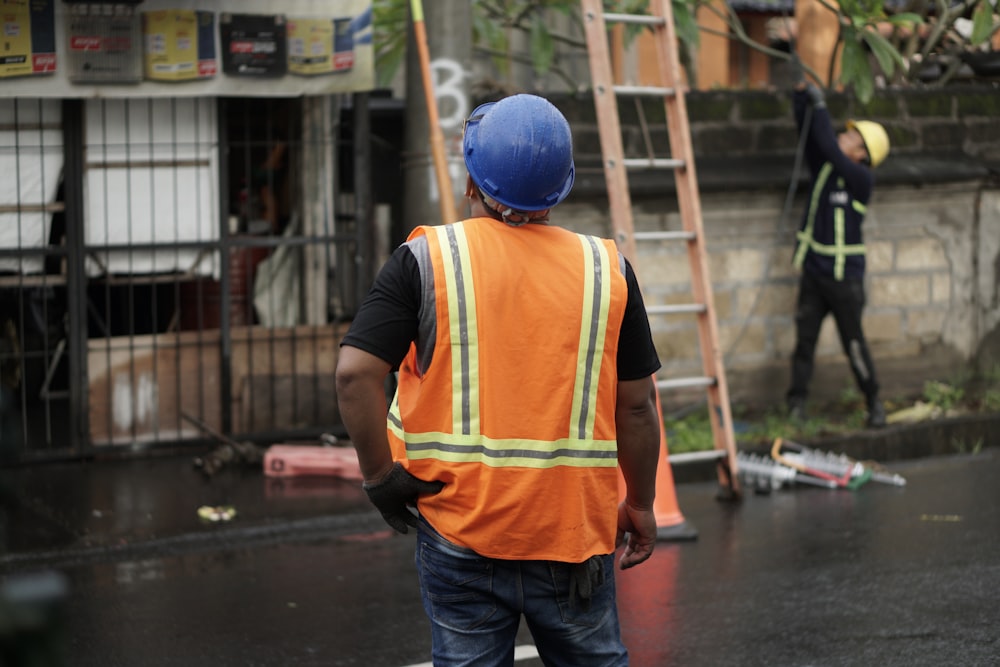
[
  {"x": 638, "y": 427},
  {"x": 361, "y": 399}
]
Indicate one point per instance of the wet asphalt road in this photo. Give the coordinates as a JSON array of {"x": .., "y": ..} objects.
[{"x": 803, "y": 576}]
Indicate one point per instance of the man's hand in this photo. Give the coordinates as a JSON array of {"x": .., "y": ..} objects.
[
  {"x": 637, "y": 529},
  {"x": 397, "y": 490}
]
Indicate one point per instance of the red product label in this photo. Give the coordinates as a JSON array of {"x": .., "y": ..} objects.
[
  {"x": 43, "y": 62},
  {"x": 81, "y": 43},
  {"x": 207, "y": 68},
  {"x": 241, "y": 47},
  {"x": 343, "y": 60}
]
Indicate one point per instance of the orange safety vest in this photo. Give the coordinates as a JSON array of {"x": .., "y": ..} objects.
[{"x": 508, "y": 395}]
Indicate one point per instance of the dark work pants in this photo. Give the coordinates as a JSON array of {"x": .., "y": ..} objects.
[{"x": 845, "y": 299}]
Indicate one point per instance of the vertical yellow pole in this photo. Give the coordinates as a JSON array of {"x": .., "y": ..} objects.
[{"x": 445, "y": 193}]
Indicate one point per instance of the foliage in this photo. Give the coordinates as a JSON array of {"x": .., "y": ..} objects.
[
  {"x": 859, "y": 34},
  {"x": 966, "y": 391},
  {"x": 943, "y": 395},
  {"x": 691, "y": 434},
  {"x": 961, "y": 446},
  {"x": 390, "y": 25},
  {"x": 694, "y": 432},
  {"x": 877, "y": 43}
]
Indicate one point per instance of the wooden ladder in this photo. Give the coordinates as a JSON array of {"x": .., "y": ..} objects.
[{"x": 660, "y": 20}]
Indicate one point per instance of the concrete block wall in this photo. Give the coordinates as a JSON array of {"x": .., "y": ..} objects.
[{"x": 933, "y": 235}]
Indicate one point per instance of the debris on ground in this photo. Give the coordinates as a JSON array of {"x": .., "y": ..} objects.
[
  {"x": 917, "y": 412},
  {"x": 791, "y": 463},
  {"x": 298, "y": 460},
  {"x": 229, "y": 452},
  {"x": 215, "y": 513}
]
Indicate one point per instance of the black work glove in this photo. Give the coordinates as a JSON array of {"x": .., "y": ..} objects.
[
  {"x": 816, "y": 96},
  {"x": 395, "y": 492},
  {"x": 583, "y": 579}
]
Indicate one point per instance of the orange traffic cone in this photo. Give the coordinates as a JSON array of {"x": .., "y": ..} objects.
[{"x": 671, "y": 526}]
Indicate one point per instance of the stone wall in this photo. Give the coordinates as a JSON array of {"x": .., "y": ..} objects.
[{"x": 933, "y": 235}]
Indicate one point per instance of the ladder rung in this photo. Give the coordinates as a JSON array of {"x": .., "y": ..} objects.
[
  {"x": 652, "y": 163},
  {"x": 640, "y": 19},
  {"x": 664, "y": 236},
  {"x": 685, "y": 383},
  {"x": 678, "y": 309},
  {"x": 643, "y": 91},
  {"x": 695, "y": 457}
]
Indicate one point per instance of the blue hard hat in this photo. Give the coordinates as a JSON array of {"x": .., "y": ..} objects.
[{"x": 519, "y": 151}]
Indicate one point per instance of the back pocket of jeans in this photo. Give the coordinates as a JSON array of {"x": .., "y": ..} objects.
[{"x": 458, "y": 590}]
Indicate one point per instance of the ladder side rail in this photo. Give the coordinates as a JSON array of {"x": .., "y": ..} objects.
[
  {"x": 615, "y": 166},
  {"x": 609, "y": 128},
  {"x": 678, "y": 125}
]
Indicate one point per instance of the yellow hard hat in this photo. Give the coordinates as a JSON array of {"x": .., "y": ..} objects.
[{"x": 875, "y": 137}]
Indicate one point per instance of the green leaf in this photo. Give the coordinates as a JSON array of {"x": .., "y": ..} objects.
[
  {"x": 850, "y": 8},
  {"x": 982, "y": 23},
  {"x": 390, "y": 23},
  {"x": 864, "y": 87},
  {"x": 685, "y": 23},
  {"x": 542, "y": 46},
  {"x": 855, "y": 70},
  {"x": 907, "y": 19},
  {"x": 489, "y": 34},
  {"x": 886, "y": 54}
]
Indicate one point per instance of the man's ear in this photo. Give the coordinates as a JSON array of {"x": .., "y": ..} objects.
[{"x": 470, "y": 187}]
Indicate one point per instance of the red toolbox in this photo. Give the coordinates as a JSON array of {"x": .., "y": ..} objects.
[{"x": 311, "y": 460}]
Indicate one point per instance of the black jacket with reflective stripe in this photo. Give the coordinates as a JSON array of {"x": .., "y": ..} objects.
[{"x": 830, "y": 241}]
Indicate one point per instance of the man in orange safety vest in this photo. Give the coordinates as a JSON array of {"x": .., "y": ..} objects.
[{"x": 525, "y": 366}]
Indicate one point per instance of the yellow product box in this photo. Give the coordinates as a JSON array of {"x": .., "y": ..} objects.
[
  {"x": 310, "y": 46},
  {"x": 179, "y": 45},
  {"x": 28, "y": 45}
]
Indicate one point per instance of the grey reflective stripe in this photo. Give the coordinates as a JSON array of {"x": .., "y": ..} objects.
[
  {"x": 427, "y": 324},
  {"x": 492, "y": 452}
]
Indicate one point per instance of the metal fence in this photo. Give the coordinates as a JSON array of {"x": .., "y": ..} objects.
[{"x": 171, "y": 269}]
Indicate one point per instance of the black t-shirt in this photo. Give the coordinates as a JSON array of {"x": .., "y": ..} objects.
[{"x": 387, "y": 321}]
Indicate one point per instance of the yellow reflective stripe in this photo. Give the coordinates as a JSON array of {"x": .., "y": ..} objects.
[
  {"x": 462, "y": 326},
  {"x": 515, "y": 461},
  {"x": 394, "y": 416},
  {"x": 805, "y": 236},
  {"x": 593, "y": 327},
  {"x": 502, "y": 453},
  {"x": 838, "y": 241},
  {"x": 832, "y": 250},
  {"x": 859, "y": 207}
]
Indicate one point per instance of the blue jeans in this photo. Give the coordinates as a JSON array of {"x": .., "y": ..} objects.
[{"x": 475, "y": 606}]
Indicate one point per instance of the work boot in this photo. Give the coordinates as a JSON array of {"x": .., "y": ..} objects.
[
  {"x": 876, "y": 414},
  {"x": 796, "y": 409}
]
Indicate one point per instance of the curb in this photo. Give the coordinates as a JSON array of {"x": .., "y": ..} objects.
[
  {"x": 899, "y": 442},
  {"x": 943, "y": 437}
]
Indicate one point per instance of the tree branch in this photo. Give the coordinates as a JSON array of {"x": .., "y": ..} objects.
[{"x": 738, "y": 34}]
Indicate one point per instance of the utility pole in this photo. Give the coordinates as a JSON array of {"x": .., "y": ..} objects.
[{"x": 448, "y": 25}]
